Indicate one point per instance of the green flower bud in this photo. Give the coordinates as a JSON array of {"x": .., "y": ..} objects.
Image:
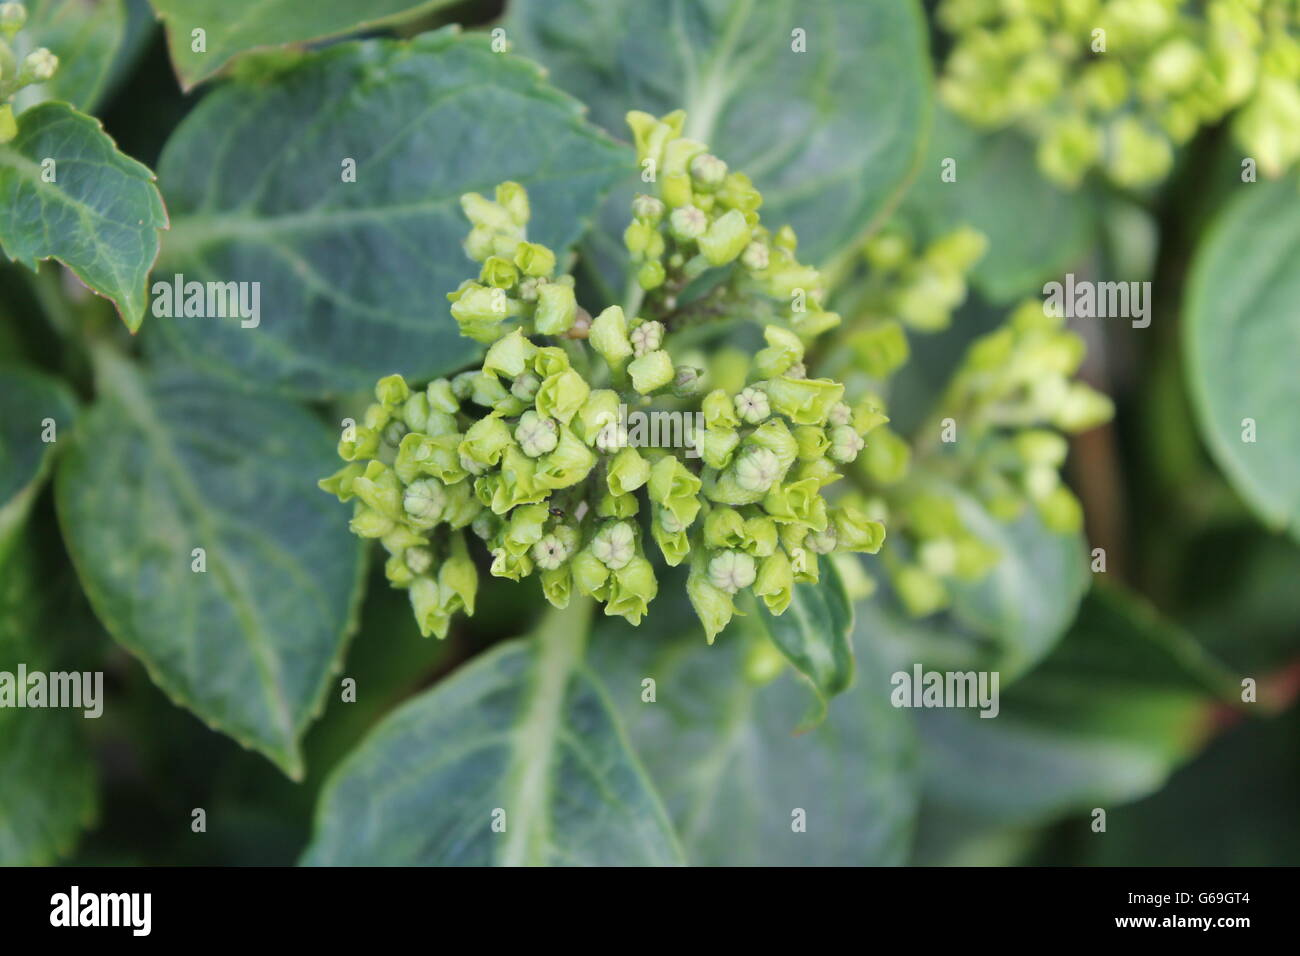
[
  {"x": 608, "y": 336},
  {"x": 651, "y": 135},
  {"x": 1068, "y": 150},
  {"x": 799, "y": 502},
  {"x": 627, "y": 472},
  {"x": 672, "y": 486},
  {"x": 536, "y": 434},
  {"x": 738, "y": 192},
  {"x": 340, "y": 483},
  {"x": 379, "y": 487},
  {"x": 804, "y": 401},
  {"x": 719, "y": 410},
  {"x": 855, "y": 531},
  {"x": 498, "y": 273},
  {"x": 882, "y": 349},
  {"x": 617, "y": 506},
  {"x": 426, "y": 602},
  {"x": 775, "y": 582},
  {"x": 813, "y": 443},
  {"x": 441, "y": 397},
  {"x": 731, "y": 571},
  {"x": 513, "y": 567},
  {"x": 723, "y": 528},
  {"x": 761, "y": 536},
  {"x": 614, "y": 545},
  {"x": 557, "y": 586},
  {"x": 392, "y": 391},
  {"x": 485, "y": 440},
  {"x": 632, "y": 588},
  {"x": 719, "y": 444},
  {"x": 568, "y": 464},
  {"x": 590, "y": 576},
  {"x": 534, "y": 259},
  {"x": 822, "y": 542},
  {"x": 1083, "y": 408},
  {"x": 713, "y": 605},
  {"x": 513, "y": 198},
  {"x": 480, "y": 311},
  {"x": 687, "y": 381},
  {"x": 651, "y": 275},
  {"x": 688, "y": 223},
  {"x": 676, "y": 189},
  {"x": 776, "y": 438},
  {"x": 886, "y": 458},
  {"x": 652, "y": 371},
  {"x": 784, "y": 349},
  {"x": 556, "y": 309},
  {"x": 562, "y": 395},
  {"x": 845, "y": 443},
  {"x": 487, "y": 214},
  {"x": 369, "y": 523},
  {"x": 726, "y": 238}
]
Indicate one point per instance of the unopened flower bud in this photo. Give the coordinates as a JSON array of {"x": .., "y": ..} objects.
[
  {"x": 536, "y": 434},
  {"x": 424, "y": 500},
  {"x": 845, "y": 444},
  {"x": 647, "y": 208},
  {"x": 688, "y": 223},
  {"x": 614, "y": 545},
  {"x": 752, "y": 406},
  {"x": 756, "y": 469},
  {"x": 731, "y": 571},
  {"x": 755, "y": 258},
  {"x": 708, "y": 171},
  {"x": 524, "y": 387},
  {"x": 550, "y": 552},
  {"x": 647, "y": 337}
]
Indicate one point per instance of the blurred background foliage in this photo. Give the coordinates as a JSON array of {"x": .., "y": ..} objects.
[{"x": 1131, "y": 704}]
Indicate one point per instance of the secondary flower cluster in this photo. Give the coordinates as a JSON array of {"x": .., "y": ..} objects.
[
  {"x": 531, "y": 451},
  {"x": 37, "y": 66},
  {"x": 1116, "y": 84},
  {"x": 1008, "y": 402}
]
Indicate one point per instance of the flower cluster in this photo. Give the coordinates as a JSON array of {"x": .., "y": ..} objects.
[
  {"x": 1116, "y": 84},
  {"x": 530, "y": 452},
  {"x": 37, "y": 66},
  {"x": 1011, "y": 397}
]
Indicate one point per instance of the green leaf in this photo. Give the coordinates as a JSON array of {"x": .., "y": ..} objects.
[
  {"x": 256, "y": 24},
  {"x": 1104, "y": 720},
  {"x": 27, "y": 399},
  {"x": 829, "y": 135},
  {"x": 353, "y": 275},
  {"x": 720, "y": 749},
  {"x": 101, "y": 215},
  {"x": 523, "y": 735},
  {"x": 1006, "y": 621},
  {"x": 166, "y": 464},
  {"x": 47, "y": 779},
  {"x": 1035, "y": 229},
  {"x": 85, "y": 35},
  {"x": 1242, "y": 326},
  {"x": 815, "y": 635}
]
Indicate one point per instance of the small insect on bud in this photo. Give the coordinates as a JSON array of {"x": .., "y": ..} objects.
[
  {"x": 732, "y": 570},
  {"x": 648, "y": 208},
  {"x": 536, "y": 435},
  {"x": 708, "y": 172},
  {"x": 647, "y": 337},
  {"x": 752, "y": 406},
  {"x": 755, "y": 258},
  {"x": 688, "y": 223}
]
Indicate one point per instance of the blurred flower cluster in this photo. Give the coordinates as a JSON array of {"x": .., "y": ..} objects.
[
  {"x": 1117, "y": 84},
  {"x": 38, "y": 66}
]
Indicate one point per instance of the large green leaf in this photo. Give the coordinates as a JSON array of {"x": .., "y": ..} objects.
[
  {"x": 815, "y": 635},
  {"x": 27, "y": 399},
  {"x": 1242, "y": 332},
  {"x": 1035, "y": 229},
  {"x": 353, "y": 275},
  {"x": 167, "y": 464},
  {"x": 231, "y": 27},
  {"x": 100, "y": 216},
  {"x": 830, "y": 135},
  {"x": 86, "y": 35},
  {"x": 523, "y": 735},
  {"x": 1006, "y": 621},
  {"x": 1103, "y": 721},
  {"x": 47, "y": 779},
  {"x": 720, "y": 747}
]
